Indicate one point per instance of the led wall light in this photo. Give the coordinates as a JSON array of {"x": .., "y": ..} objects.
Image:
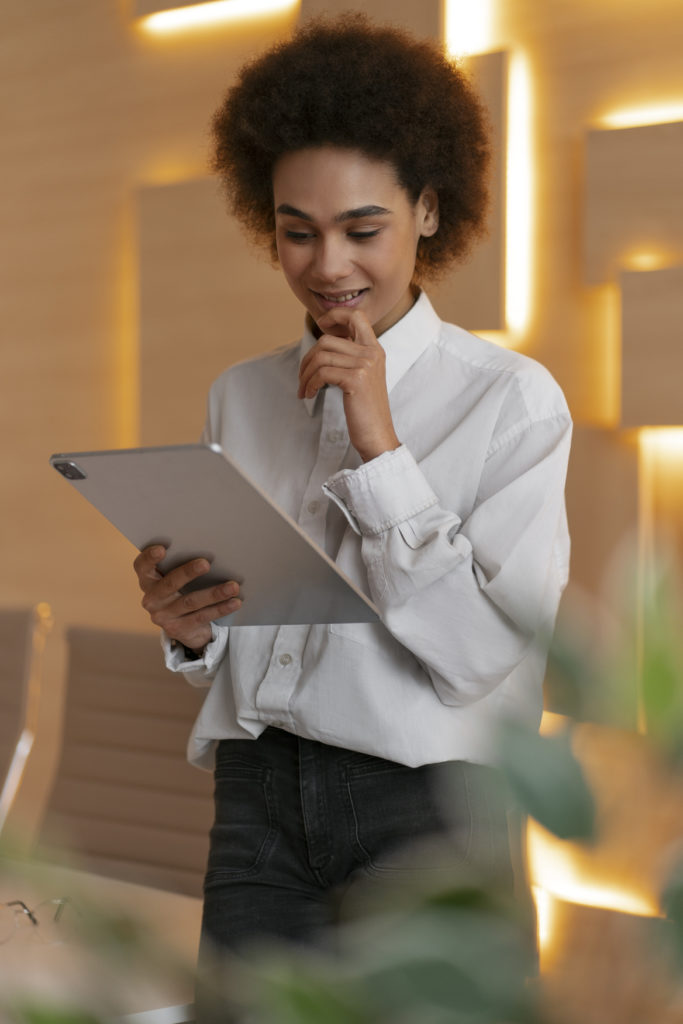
[
  {"x": 519, "y": 199},
  {"x": 468, "y": 27},
  {"x": 662, "y": 442},
  {"x": 556, "y": 873},
  {"x": 216, "y": 12},
  {"x": 634, "y": 117}
]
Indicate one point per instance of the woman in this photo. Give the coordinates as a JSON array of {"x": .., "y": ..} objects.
[{"x": 429, "y": 463}]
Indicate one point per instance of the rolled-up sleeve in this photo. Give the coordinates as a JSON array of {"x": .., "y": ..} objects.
[
  {"x": 468, "y": 597},
  {"x": 198, "y": 671}
]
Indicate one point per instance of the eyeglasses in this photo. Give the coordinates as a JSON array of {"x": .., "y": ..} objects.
[{"x": 50, "y": 922}]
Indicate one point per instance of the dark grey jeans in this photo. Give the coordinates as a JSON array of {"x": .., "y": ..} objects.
[{"x": 300, "y": 826}]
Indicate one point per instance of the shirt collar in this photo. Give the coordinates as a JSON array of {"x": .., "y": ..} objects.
[{"x": 403, "y": 343}]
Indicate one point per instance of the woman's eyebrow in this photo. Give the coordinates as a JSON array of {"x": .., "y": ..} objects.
[
  {"x": 362, "y": 211},
  {"x": 292, "y": 211},
  {"x": 357, "y": 214}
]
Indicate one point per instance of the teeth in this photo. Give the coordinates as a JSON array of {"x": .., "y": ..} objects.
[{"x": 341, "y": 298}]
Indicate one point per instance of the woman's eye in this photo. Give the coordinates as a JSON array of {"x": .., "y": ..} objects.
[
  {"x": 363, "y": 234},
  {"x": 298, "y": 236}
]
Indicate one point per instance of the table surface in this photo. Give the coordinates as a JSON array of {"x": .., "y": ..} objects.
[{"x": 92, "y": 973}]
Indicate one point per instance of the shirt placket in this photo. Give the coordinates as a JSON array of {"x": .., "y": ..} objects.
[{"x": 275, "y": 692}]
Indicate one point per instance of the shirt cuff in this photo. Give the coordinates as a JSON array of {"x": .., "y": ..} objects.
[
  {"x": 213, "y": 652},
  {"x": 381, "y": 493}
]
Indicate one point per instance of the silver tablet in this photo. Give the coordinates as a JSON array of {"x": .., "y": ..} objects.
[{"x": 197, "y": 502}]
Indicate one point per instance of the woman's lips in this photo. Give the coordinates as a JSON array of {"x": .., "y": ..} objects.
[{"x": 348, "y": 299}]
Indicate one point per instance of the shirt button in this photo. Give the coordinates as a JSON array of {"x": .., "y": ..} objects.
[
  {"x": 285, "y": 659},
  {"x": 335, "y": 436},
  {"x": 313, "y": 507}
]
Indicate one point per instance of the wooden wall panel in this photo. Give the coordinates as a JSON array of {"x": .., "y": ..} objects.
[
  {"x": 634, "y": 200},
  {"x": 207, "y": 300},
  {"x": 602, "y": 501},
  {"x": 652, "y": 347},
  {"x": 424, "y": 18},
  {"x": 473, "y": 294}
]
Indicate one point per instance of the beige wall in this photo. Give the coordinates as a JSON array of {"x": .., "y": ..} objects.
[{"x": 97, "y": 117}]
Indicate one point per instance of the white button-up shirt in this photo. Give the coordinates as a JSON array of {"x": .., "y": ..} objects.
[{"x": 459, "y": 537}]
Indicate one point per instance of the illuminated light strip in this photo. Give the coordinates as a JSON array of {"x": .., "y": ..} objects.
[
  {"x": 553, "y": 869},
  {"x": 468, "y": 26},
  {"x": 519, "y": 198},
  {"x": 662, "y": 441},
  {"x": 127, "y": 366},
  {"x": 641, "y": 117},
  {"x": 610, "y": 314},
  {"x": 602, "y": 897},
  {"x": 544, "y": 915},
  {"x": 212, "y": 13}
]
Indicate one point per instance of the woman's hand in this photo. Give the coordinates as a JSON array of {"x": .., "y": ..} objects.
[
  {"x": 349, "y": 356},
  {"x": 183, "y": 617}
]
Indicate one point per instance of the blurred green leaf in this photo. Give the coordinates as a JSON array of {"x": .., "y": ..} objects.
[
  {"x": 571, "y": 678},
  {"x": 662, "y": 667},
  {"x": 440, "y": 959},
  {"x": 303, "y": 991},
  {"x": 548, "y": 781},
  {"x": 38, "y": 1014},
  {"x": 438, "y": 964}
]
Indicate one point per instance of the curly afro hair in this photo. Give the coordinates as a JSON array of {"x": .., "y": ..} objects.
[{"x": 350, "y": 83}]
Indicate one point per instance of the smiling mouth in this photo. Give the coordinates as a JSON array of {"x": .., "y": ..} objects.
[{"x": 341, "y": 297}]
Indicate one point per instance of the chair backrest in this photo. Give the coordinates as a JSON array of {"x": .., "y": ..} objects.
[
  {"x": 23, "y": 632},
  {"x": 16, "y": 626},
  {"x": 125, "y": 800}
]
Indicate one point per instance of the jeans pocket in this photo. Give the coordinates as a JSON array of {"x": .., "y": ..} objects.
[
  {"x": 244, "y": 828},
  {"x": 400, "y": 821}
]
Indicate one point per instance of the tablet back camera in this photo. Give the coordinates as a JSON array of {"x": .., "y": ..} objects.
[{"x": 70, "y": 470}]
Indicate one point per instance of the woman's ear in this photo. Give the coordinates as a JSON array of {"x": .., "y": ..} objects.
[{"x": 428, "y": 212}]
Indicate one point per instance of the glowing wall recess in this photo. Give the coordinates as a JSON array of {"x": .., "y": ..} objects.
[
  {"x": 652, "y": 347},
  {"x": 634, "y": 201},
  {"x": 472, "y": 29},
  {"x": 162, "y": 16}
]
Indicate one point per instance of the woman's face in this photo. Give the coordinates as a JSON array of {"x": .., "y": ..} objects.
[{"x": 347, "y": 232}]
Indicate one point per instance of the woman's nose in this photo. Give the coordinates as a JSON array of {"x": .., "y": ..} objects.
[{"x": 332, "y": 260}]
